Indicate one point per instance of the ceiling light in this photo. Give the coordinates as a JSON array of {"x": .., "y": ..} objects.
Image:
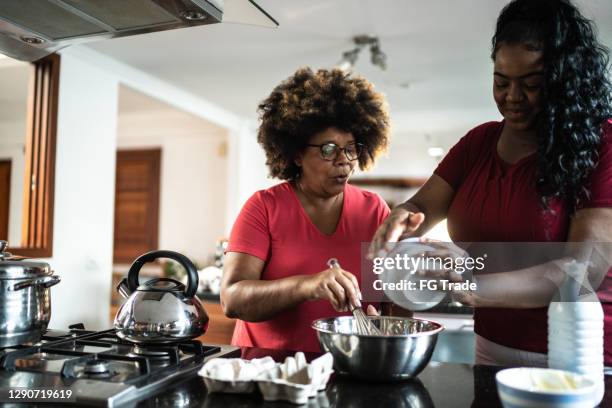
[
  {"x": 377, "y": 57},
  {"x": 193, "y": 15},
  {"x": 435, "y": 152},
  {"x": 349, "y": 58},
  {"x": 32, "y": 40}
]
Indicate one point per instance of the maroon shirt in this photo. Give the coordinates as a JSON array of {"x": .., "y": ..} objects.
[{"x": 498, "y": 202}]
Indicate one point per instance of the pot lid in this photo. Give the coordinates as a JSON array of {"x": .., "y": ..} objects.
[{"x": 14, "y": 267}]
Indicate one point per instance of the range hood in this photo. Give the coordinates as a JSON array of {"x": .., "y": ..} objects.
[{"x": 31, "y": 29}]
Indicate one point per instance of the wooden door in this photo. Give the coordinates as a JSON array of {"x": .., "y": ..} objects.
[
  {"x": 136, "y": 203},
  {"x": 5, "y": 197}
]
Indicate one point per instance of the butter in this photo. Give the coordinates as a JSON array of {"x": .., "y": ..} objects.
[{"x": 553, "y": 381}]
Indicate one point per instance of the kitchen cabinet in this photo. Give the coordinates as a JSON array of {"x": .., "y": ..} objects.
[{"x": 220, "y": 327}]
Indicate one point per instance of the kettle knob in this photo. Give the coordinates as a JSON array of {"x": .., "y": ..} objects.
[
  {"x": 3, "y": 253},
  {"x": 192, "y": 273}
]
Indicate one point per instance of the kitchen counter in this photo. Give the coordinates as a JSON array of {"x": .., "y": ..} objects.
[{"x": 440, "y": 385}]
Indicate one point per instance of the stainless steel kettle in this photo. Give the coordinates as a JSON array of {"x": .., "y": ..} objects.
[{"x": 163, "y": 310}]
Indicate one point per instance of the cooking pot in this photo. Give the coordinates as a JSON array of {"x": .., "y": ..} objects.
[
  {"x": 162, "y": 310},
  {"x": 25, "y": 301}
]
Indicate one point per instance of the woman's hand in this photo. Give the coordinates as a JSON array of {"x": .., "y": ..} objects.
[
  {"x": 446, "y": 250},
  {"x": 335, "y": 284},
  {"x": 371, "y": 311},
  {"x": 400, "y": 223}
]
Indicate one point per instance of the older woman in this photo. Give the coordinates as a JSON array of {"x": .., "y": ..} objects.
[
  {"x": 543, "y": 174},
  {"x": 316, "y": 128}
]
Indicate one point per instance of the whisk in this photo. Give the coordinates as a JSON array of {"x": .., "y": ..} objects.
[{"x": 363, "y": 325}]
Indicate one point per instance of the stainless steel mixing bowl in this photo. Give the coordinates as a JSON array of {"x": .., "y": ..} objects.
[{"x": 379, "y": 358}]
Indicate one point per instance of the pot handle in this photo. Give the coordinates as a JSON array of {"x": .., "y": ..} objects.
[
  {"x": 46, "y": 281},
  {"x": 192, "y": 273}
]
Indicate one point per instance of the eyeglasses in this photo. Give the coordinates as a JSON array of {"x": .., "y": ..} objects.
[{"x": 330, "y": 151}]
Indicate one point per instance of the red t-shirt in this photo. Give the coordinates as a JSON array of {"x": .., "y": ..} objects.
[
  {"x": 498, "y": 202},
  {"x": 274, "y": 227}
]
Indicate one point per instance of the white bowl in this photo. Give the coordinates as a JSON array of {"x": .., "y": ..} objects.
[
  {"x": 418, "y": 299},
  {"x": 543, "y": 388}
]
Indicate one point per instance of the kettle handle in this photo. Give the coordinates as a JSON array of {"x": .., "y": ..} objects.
[{"x": 192, "y": 273}]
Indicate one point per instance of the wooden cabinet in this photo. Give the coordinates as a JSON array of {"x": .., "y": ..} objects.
[{"x": 220, "y": 328}]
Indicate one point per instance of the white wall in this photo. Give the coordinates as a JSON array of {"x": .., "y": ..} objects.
[
  {"x": 193, "y": 198},
  {"x": 12, "y": 145},
  {"x": 402, "y": 160},
  {"x": 84, "y": 194},
  {"x": 247, "y": 170},
  {"x": 413, "y": 135}
]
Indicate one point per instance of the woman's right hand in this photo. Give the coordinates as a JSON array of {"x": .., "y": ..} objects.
[
  {"x": 400, "y": 223},
  {"x": 335, "y": 284}
]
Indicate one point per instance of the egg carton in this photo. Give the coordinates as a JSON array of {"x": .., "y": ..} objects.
[
  {"x": 295, "y": 380},
  {"x": 234, "y": 375}
]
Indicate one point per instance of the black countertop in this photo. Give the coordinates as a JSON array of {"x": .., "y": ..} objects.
[{"x": 440, "y": 385}]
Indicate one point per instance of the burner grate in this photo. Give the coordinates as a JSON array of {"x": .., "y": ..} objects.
[
  {"x": 162, "y": 357},
  {"x": 102, "y": 369},
  {"x": 70, "y": 366},
  {"x": 8, "y": 360}
]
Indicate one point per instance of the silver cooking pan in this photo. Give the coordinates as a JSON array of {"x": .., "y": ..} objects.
[{"x": 25, "y": 300}]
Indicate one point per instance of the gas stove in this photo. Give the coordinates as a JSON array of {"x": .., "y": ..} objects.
[{"x": 97, "y": 368}]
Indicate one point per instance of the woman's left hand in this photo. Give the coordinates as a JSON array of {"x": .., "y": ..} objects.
[
  {"x": 371, "y": 311},
  {"x": 444, "y": 250}
]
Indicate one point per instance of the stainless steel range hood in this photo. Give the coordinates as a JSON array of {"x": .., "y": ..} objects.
[{"x": 31, "y": 29}]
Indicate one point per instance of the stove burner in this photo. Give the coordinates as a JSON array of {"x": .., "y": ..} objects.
[
  {"x": 96, "y": 367},
  {"x": 102, "y": 366},
  {"x": 156, "y": 353}
]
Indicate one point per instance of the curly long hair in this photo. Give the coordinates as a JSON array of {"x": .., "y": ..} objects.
[
  {"x": 310, "y": 102},
  {"x": 576, "y": 92}
]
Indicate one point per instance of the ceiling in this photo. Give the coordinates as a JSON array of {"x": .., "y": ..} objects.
[
  {"x": 438, "y": 80},
  {"x": 439, "y": 71}
]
